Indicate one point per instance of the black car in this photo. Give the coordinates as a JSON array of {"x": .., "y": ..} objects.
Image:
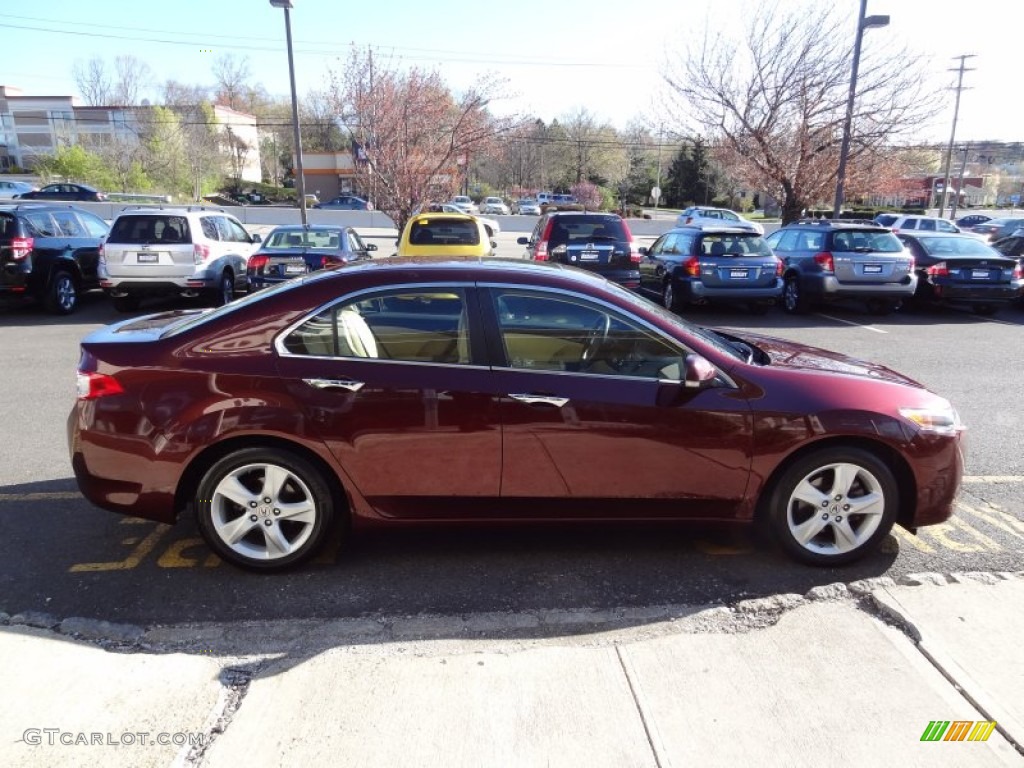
[
  {"x": 972, "y": 220},
  {"x": 79, "y": 192},
  {"x": 695, "y": 265},
  {"x": 997, "y": 229},
  {"x": 50, "y": 253},
  {"x": 599, "y": 242},
  {"x": 961, "y": 269},
  {"x": 829, "y": 260},
  {"x": 346, "y": 203},
  {"x": 295, "y": 250}
]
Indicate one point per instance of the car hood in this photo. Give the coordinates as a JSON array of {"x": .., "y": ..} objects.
[{"x": 795, "y": 356}]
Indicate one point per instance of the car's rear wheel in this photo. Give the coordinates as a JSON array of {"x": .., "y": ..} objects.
[
  {"x": 793, "y": 300},
  {"x": 833, "y": 506},
  {"x": 668, "y": 295},
  {"x": 62, "y": 293},
  {"x": 126, "y": 303},
  {"x": 264, "y": 509}
]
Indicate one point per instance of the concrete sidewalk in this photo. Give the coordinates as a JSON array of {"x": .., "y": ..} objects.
[{"x": 841, "y": 676}]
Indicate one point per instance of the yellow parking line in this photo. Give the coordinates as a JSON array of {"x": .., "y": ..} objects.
[
  {"x": 996, "y": 517},
  {"x": 134, "y": 558}
]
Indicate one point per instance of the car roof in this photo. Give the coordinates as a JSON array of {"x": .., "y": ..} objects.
[
  {"x": 31, "y": 205},
  {"x": 713, "y": 230},
  {"x": 443, "y": 215},
  {"x": 310, "y": 227},
  {"x": 924, "y": 233}
]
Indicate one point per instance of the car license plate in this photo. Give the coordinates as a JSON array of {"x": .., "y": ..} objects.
[
  {"x": 979, "y": 274},
  {"x": 294, "y": 269},
  {"x": 872, "y": 269},
  {"x": 147, "y": 258},
  {"x": 738, "y": 274},
  {"x": 589, "y": 255}
]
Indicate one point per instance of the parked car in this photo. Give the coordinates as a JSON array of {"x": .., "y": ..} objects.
[
  {"x": 445, "y": 234},
  {"x": 599, "y": 242},
  {"x": 11, "y": 189},
  {"x": 465, "y": 204},
  {"x": 922, "y": 224},
  {"x": 347, "y": 203},
  {"x": 295, "y": 250},
  {"x": 491, "y": 225},
  {"x": 495, "y": 206},
  {"x": 827, "y": 260},
  {"x": 174, "y": 252},
  {"x": 560, "y": 202},
  {"x": 704, "y": 216},
  {"x": 398, "y": 393},
  {"x": 997, "y": 229},
  {"x": 49, "y": 253},
  {"x": 527, "y": 207},
  {"x": 961, "y": 269},
  {"x": 690, "y": 265},
  {"x": 885, "y": 219},
  {"x": 1013, "y": 246},
  {"x": 63, "y": 191},
  {"x": 972, "y": 220}
]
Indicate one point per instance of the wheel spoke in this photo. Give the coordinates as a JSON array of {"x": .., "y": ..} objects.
[
  {"x": 234, "y": 531},
  {"x": 277, "y": 544},
  {"x": 274, "y": 478},
  {"x": 845, "y": 475},
  {"x": 301, "y": 512},
  {"x": 871, "y": 504},
  {"x": 808, "y": 529},
  {"x": 232, "y": 489},
  {"x": 846, "y": 537},
  {"x": 808, "y": 494}
]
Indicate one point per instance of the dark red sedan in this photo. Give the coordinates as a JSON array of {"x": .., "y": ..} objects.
[{"x": 403, "y": 392}]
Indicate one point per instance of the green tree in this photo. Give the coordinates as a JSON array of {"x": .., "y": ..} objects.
[{"x": 75, "y": 163}]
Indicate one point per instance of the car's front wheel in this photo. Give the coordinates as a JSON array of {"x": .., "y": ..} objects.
[
  {"x": 833, "y": 506},
  {"x": 264, "y": 509},
  {"x": 62, "y": 293},
  {"x": 225, "y": 289}
]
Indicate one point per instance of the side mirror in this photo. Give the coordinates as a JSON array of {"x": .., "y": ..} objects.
[
  {"x": 256, "y": 239},
  {"x": 371, "y": 246},
  {"x": 698, "y": 371},
  {"x": 523, "y": 240}
]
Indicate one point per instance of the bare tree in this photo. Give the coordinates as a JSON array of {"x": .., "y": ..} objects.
[
  {"x": 409, "y": 131},
  {"x": 93, "y": 81},
  {"x": 594, "y": 147},
  {"x": 133, "y": 77},
  {"x": 231, "y": 77},
  {"x": 773, "y": 106}
]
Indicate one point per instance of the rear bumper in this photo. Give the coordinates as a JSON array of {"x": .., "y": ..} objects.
[
  {"x": 824, "y": 287},
  {"x": 979, "y": 293},
  {"x": 695, "y": 290},
  {"x": 163, "y": 286}
]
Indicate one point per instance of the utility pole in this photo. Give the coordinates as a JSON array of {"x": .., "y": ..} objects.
[
  {"x": 960, "y": 183},
  {"x": 952, "y": 136}
]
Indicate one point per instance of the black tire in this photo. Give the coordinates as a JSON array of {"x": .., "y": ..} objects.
[
  {"x": 266, "y": 540},
  {"x": 225, "y": 289},
  {"x": 793, "y": 300},
  {"x": 126, "y": 303},
  {"x": 669, "y": 299},
  {"x": 984, "y": 309},
  {"x": 61, "y": 293},
  {"x": 823, "y": 520}
]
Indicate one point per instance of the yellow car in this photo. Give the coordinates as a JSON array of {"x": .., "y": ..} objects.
[{"x": 445, "y": 234}]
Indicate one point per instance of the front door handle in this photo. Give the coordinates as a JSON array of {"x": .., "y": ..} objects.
[
  {"x": 350, "y": 384},
  {"x": 541, "y": 400}
]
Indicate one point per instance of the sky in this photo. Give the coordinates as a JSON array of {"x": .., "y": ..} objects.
[{"x": 554, "y": 57}]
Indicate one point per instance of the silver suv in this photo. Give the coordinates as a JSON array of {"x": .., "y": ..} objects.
[{"x": 174, "y": 251}]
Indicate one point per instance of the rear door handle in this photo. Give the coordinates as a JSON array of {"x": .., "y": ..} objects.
[
  {"x": 541, "y": 400},
  {"x": 350, "y": 384}
]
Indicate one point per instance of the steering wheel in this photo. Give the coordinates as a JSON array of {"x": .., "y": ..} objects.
[{"x": 595, "y": 338}]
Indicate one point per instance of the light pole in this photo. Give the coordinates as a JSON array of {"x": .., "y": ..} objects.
[
  {"x": 956, "y": 113},
  {"x": 863, "y": 22},
  {"x": 300, "y": 179}
]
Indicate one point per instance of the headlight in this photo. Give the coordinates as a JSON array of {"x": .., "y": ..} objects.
[{"x": 937, "y": 420}]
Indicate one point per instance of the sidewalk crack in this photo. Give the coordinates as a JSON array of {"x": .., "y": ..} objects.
[
  {"x": 657, "y": 751},
  {"x": 235, "y": 682}
]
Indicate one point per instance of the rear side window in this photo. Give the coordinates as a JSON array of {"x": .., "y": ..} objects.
[
  {"x": 209, "y": 228},
  {"x": 157, "y": 228},
  {"x": 42, "y": 223},
  {"x": 68, "y": 224},
  {"x": 442, "y": 231}
]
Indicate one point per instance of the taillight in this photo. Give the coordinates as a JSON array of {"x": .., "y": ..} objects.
[
  {"x": 21, "y": 247},
  {"x": 634, "y": 249},
  {"x": 1017, "y": 273},
  {"x": 200, "y": 253},
  {"x": 779, "y": 267},
  {"x": 692, "y": 266},
  {"x": 824, "y": 260},
  {"x": 938, "y": 270},
  {"x": 258, "y": 262},
  {"x": 541, "y": 252},
  {"x": 329, "y": 262},
  {"x": 95, "y": 385}
]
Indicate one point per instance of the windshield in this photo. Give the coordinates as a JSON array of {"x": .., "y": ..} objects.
[{"x": 282, "y": 239}]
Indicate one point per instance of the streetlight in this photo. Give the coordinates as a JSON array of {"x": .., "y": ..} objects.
[
  {"x": 863, "y": 22},
  {"x": 300, "y": 179}
]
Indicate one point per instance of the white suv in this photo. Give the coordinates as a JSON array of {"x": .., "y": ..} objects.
[
  {"x": 704, "y": 216},
  {"x": 174, "y": 251},
  {"x": 923, "y": 224}
]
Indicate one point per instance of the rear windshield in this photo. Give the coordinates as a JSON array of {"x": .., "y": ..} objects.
[
  {"x": 158, "y": 228},
  {"x": 316, "y": 238},
  {"x": 955, "y": 246},
  {"x": 734, "y": 244},
  {"x": 866, "y": 241},
  {"x": 442, "y": 231},
  {"x": 586, "y": 229}
]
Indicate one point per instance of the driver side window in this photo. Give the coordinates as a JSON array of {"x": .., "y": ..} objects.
[{"x": 554, "y": 332}]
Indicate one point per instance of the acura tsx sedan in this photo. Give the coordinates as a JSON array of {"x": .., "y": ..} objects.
[{"x": 404, "y": 392}]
